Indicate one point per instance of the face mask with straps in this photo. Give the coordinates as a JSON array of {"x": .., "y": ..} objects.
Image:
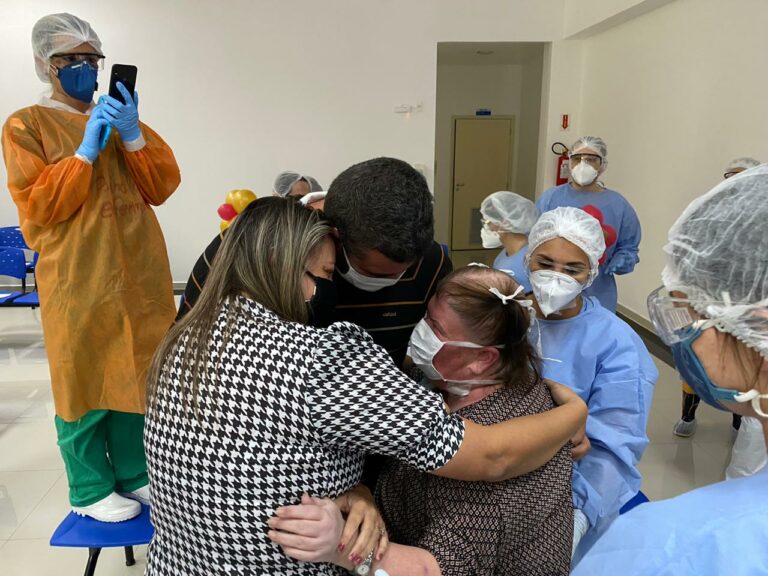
[{"x": 425, "y": 345}]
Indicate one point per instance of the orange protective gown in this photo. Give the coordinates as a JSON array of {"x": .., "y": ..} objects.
[{"x": 106, "y": 295}]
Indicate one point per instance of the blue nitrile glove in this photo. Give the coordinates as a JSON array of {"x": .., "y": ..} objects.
[
  {"x": 621, "y": 263},
  {"x": 90, "y": 146},
  {"x": 124, "y": 117}
]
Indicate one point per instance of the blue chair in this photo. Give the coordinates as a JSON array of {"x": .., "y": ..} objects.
[
  {"x": 636, "y": 500},
  {"x": 31, "y": 299},
  {"x": 11, "y": 237},
  {"x": 13, "y": 264},
  {"x": 84, "y": 532}
]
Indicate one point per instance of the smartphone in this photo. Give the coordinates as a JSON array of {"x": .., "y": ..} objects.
[{"x": 125, "y": 73}]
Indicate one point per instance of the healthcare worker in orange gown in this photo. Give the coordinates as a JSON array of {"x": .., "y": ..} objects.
[{"x": 106, "y": 295}]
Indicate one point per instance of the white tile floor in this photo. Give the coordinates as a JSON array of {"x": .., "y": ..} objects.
[{"x": 33, "y": 487}]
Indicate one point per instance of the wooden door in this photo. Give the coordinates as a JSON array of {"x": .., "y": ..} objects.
[{"x": 482, "y": 164}]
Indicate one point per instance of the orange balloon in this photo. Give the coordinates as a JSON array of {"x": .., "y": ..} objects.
[{"x": 240, "y": 198}]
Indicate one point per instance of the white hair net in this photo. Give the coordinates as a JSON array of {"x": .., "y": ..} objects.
[
  {"x": 510, "y": 211},
  {"x": 285, "y": 181},
  {"x": 594, "y": 142},
  {"x": 745, "y": 162},
  {"x": 574, "y": 225},
  {"x": 718, "y": 255},
  {"x": 58, "y": 33}
]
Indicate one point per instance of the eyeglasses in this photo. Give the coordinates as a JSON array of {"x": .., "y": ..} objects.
[
  {"x": 670, "y": 315},
  {"x": 544, "y": 263},
  {"x": 95, "y": 61},
  {"x": 731, "y": 173},
  {"x": 591, "y": 159}
]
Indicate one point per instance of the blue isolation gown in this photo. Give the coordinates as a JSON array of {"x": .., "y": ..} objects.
[
  {"x": 516, "y": 265},
  {"x": 617, "y": 213},
  {"x": 711, "y": 531},
  {"x": 606, "y": 363}
]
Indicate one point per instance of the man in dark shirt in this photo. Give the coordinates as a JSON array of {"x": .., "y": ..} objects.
[{"x": 387, "y": 263}]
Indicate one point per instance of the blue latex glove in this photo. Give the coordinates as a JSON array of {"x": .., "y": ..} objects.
[
  {"x": 90, "y": 146},
  {"x": 124, "y": 117},
  {"x": 621, "y": 263}
]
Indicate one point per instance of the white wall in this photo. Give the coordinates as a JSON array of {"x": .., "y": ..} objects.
[
  {"x": 245, "y": 88},
  {"x": 676, "y": 93},
  {"x": 560, "y": 94},
  {"x": 529, "y": 124},
  {"x": 585, "y": 17}
]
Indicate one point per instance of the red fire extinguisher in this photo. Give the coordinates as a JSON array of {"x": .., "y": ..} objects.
[{"x": 563, "y": 172}]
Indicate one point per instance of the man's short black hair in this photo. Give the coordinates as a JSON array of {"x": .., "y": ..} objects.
[{"x": 382, "y": 204}]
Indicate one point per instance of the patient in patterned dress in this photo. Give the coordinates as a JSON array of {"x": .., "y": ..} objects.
[{"x": 520, "y": 526}]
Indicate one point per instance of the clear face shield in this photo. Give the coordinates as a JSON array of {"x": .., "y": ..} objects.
[{"x": 679, "y": 325}]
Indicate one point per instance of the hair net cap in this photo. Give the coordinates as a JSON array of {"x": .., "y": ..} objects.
[
  {"x": 574, "y": 225},
  {"x": 58, "y": 33},
  {"x": 744, "y": 162},
  {"x": 717, "y": 254},
  {"x": 594, "y": 142},
  {"x": 510, "y": 211},
  {"x": 285, "y": 181}
]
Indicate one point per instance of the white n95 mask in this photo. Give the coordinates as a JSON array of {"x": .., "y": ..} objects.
[
  {"x": 553, "y": 290},
  {"x": 367, "y": 283},
  {"x": 490, "y": 238},
  {"x": 423, "y": 348},
  {"x": 583, "y": 174}
]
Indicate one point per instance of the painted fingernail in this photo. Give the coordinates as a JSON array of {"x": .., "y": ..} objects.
[{"x": 341, "y": 547}]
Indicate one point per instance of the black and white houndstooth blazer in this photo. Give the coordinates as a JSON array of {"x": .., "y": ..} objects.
[{"x": 285, "y": 409}]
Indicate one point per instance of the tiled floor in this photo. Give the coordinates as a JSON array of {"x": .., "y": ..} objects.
[{"x": 33, "y": 488}]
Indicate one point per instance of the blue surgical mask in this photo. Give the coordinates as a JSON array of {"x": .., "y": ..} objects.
[
  {"x": 78, "y": 81},
  {"x": 692, "y": 371}
]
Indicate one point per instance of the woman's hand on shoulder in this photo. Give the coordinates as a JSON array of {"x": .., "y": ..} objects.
[{"x": 561, "y": 394}]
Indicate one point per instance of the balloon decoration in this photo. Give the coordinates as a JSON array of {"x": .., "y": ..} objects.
[{"x": 234, "y": 203}]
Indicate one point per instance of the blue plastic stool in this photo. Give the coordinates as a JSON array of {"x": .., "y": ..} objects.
[
  {"x": 83, "y": 532},
  {"x": 636, "y": 500}
]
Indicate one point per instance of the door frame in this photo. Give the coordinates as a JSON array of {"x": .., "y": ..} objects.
[{"x": 511, "y": 158}]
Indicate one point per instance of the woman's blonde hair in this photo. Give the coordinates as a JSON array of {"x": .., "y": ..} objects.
[{"x": 263, "y": 256}]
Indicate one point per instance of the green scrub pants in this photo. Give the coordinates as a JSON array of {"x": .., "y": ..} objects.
[{"x": 103, "y": 452}]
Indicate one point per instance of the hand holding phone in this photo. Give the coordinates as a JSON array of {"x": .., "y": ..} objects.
[
  {"x": 124, "y": 74},
  {"x": 121, "y": 105}
]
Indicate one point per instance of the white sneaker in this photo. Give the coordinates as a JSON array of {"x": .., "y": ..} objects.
[
  {"x": 684, "y": 429},
  {"x": 140, "y": 494},
  {"x": 113, "y": 508}
]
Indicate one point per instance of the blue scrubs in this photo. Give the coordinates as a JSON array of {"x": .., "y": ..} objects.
[
  {"x": 605, "y": 362},
  {"x": 617, "y": 213},
  {"x": 516, "y": 265},
  {"x": 718, "y": 529}
]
